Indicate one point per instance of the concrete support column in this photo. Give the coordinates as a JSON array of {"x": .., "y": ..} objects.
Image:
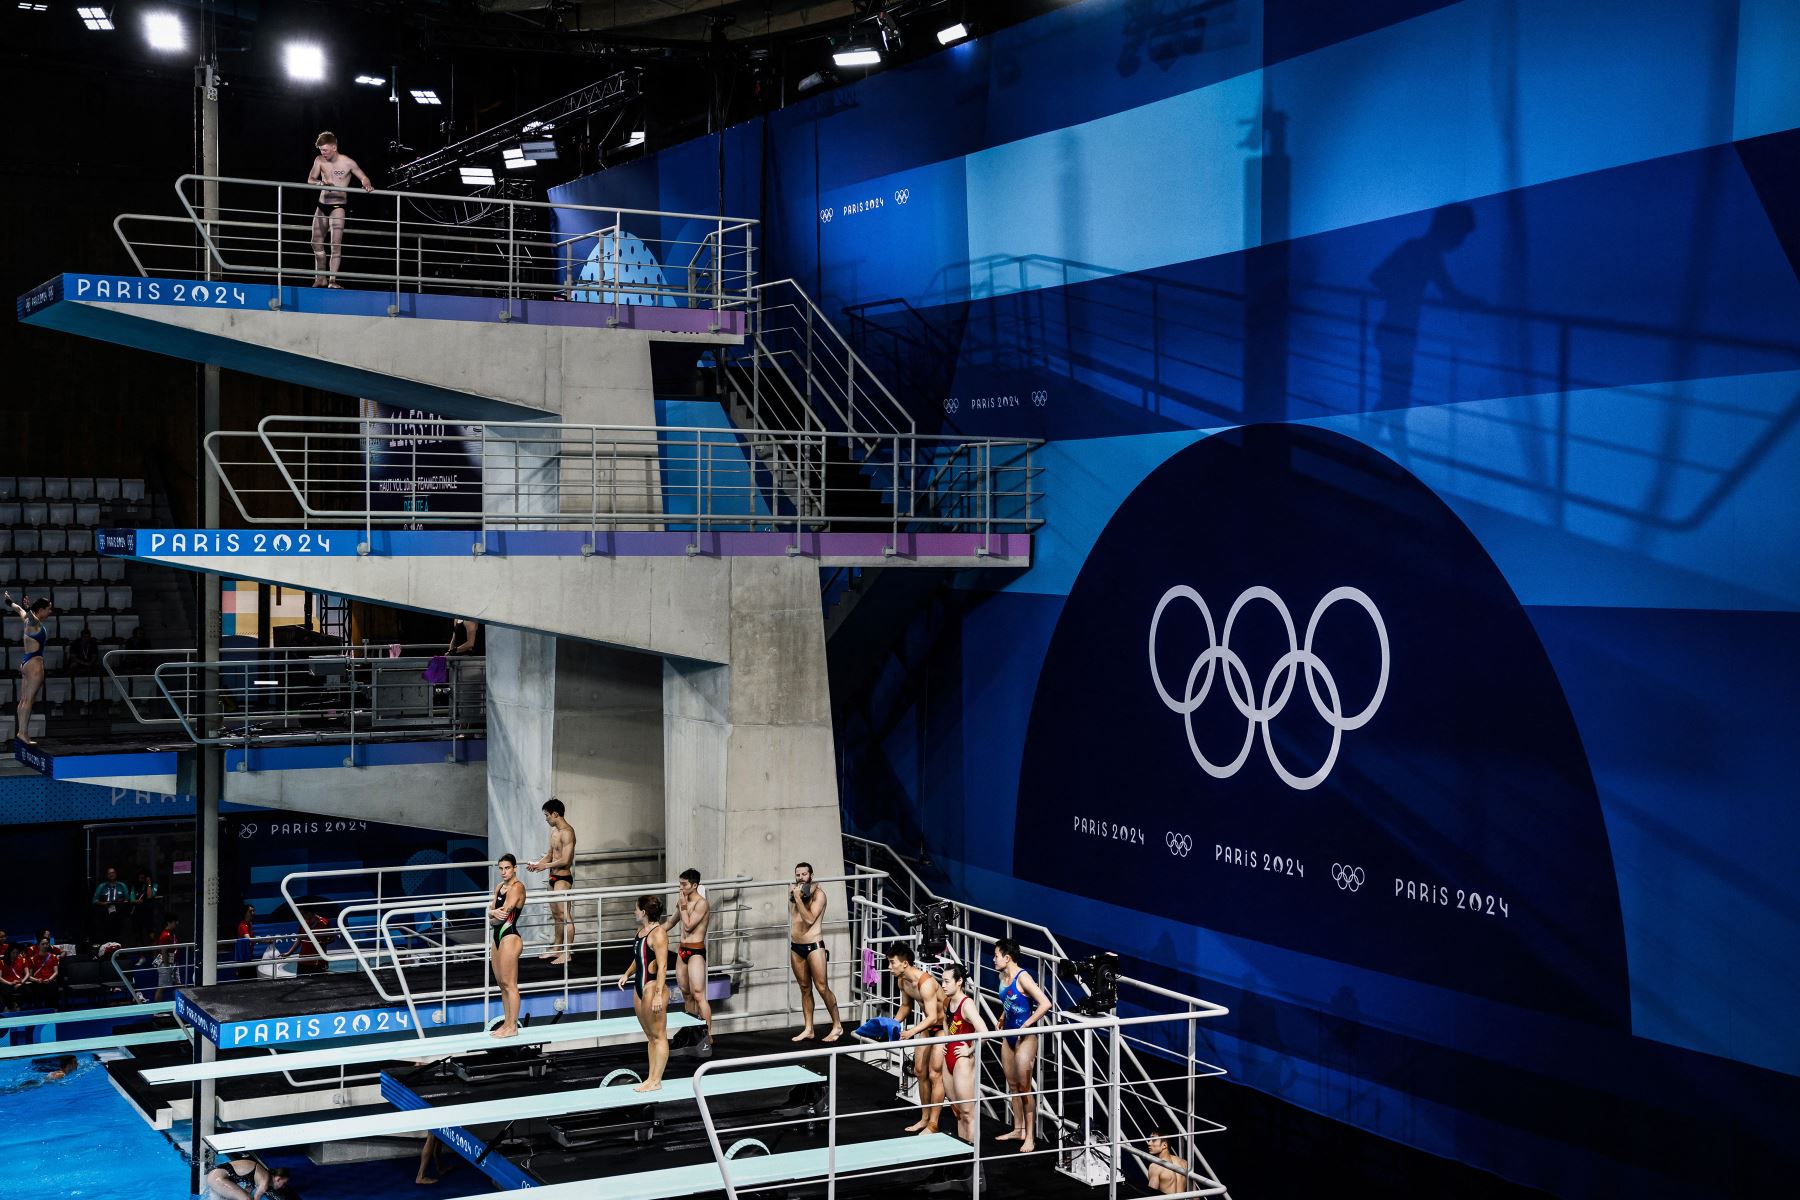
[
  {"x": 751, "y": 787},
  {"x": 521, "y": 729}
]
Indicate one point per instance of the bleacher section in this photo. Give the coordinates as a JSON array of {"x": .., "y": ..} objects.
[{"x": 48, "y": 527}]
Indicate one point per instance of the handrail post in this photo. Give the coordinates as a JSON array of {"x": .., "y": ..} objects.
[
  {"x": 1116, "y": 1158},
  {"x": 511, "y": 259},
  {"x": 831, "y": 1078},
  {"x": 397, "y": 251},
  {"x": 279, "y": 190}
]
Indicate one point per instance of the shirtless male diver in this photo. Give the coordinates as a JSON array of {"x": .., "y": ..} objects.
[
  {"x": 559, "y": 860},
  {"x": 923, "y": 998},
  {"x": 693, "y": 912},
  {"x": 333, "y": 170},
  {"x": 807, "y": 953}
]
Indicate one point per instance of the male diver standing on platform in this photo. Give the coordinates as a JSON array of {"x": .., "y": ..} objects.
[
  {"x": 334, "y": 171},
  {"x": 559, "y": 860},
  {"x": 503, "y": 931},
  {"x": 918, "y": 987},
  {"x": 694, "y": 911},
  {"x": 650, "y": 997},
  {"x": 807, "y": 953}
]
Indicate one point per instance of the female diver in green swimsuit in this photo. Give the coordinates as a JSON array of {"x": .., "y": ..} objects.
[{"x": 503, "y": 932}]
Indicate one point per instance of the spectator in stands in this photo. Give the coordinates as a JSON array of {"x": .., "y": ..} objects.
[
  {"x": 146, "y": 905},
  {"x": 45, "y": 988},
  {"x": 13, "y": 974},
  {"x": 31, "y": 671},
  {"x": 137, "y": 640},
  {"x": 84, "y": 653},
  {"x": 245, "y": 949},
  {"x": 112, "y": 900}
]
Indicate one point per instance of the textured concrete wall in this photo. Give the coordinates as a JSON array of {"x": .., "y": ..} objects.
[
  {"x": 608, "y": 749},
  {"x": 521, "y": 696},
  {"x": 449, "y": 796}
]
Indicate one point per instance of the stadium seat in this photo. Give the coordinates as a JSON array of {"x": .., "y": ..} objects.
[
  {"x": 58, "y": 689},
  {"x": 86, "y": 570},
  {"x": 54, "y": 658},
  {"x": 93, "y": 596},
  {"x": 131, "y": 490},
  {"x": 60, "y": 569},
  {"x": 15, "y": 654},
  {"x": 12, "y": 513},
  {"x": 112, "y": 568},
  {"x": 102, "y": 626},
  {"x": 81, "y": 541},
  {"x": 67, "y": 598},
  {"x": 14, "y": 629},
  {"x": 30, "y": 487},
  {"x": 5, "y": 539},
  {"x": 53, "y": 541},
  {"x": 34, "y": 512},
  {"x": 106, "y": 489},
  {"x": 87, "y": 688},
  {"x": 61, "y": 515},
  {"x": 9, "y": 487},
  {"x": 56, "y": 487},
  {"x": 25, "y": 540},
  {"x": 118, "y": 597},
  {"x": 8, "y": 692},
  {"x": 31, "y": 567},
  {"x": 125, "y": 624},
  {"x": 81, "y": 488},
  {"x": 9, "y": 569},
  {"x": 87, "y": 514}
]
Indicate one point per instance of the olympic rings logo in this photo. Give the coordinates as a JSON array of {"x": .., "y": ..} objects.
[
  {"x": 825, "y": 215},
  {"x": 1179, "y": 844},
  {"x": 1348, "y": 879},
  {"x": 902, "y": 195},
  {"x": 1241, "y": 691}
]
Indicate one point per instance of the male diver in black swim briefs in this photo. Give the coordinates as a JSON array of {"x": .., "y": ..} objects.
[{"x": 806, "y": 952}]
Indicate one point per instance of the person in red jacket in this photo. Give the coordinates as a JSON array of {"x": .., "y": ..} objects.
[
  {"x": 13, "y": 974},
  {"x": 44, "y": 989},
  {"x": 165, "y": 957}
]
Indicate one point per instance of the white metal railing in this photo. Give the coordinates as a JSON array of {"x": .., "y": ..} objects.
[
  {"x": 593, "y": 478},
  {"x": 972, "y": 932},
  {"x": 1099, "y": 1045},
  {"x": 146, "y": 971},
  {"x": 401, "y": 242},
  {"x": 312, "y": 694}
]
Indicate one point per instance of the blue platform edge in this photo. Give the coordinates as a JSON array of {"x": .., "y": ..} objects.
[
  {"x": 496, "y": 1167},
  {"x": 77, "y": 288},
  {"x": 158, "y": 545}
]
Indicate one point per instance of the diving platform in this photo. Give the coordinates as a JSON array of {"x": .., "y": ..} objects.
[
  {"x": 116, "y": 1012},
  {"x": 111, "y": 1041},
  {"x": 472, "y": 357},
  {"x": 525, "y": 1108},
  {"x": 409, "y": 1049}
]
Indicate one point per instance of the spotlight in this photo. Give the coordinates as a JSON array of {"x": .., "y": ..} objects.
[
  {"x": 27, "y": 6},
  {"x": 856, "y": 56},
  {"x": 538, "y": 151},
  {"x": 305, "y": 62},
  {"x": 425, "y": 96},
  {"x": 164, "y": 31},
  {"x": 477, "y": 176},
  {"x": 98, "y": 20},
  {"x": 538, "y": 127},
  {"x": 514, "y": 159},
  {"x": 890, "y": 33},
  {"x": 817, "y": 79},
  {"x": 952, "y": 33},
  {"x": 636, "y": 139},
  {"x": 370, "y": 80}
]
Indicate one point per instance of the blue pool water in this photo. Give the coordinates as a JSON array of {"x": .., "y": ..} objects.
[{"x": 77, "y": 1137}]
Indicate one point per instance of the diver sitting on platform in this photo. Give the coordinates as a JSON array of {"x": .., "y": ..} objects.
[{"x": 235, "y": 1177}]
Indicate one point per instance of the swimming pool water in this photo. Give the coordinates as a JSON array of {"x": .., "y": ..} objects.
[{"x": 77, "y": 1137}]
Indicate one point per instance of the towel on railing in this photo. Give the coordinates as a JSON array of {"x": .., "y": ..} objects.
[{"x": 437, "y": 670}]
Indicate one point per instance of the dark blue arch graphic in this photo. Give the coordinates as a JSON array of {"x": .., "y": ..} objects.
[{"x": 1456, "y": 838}]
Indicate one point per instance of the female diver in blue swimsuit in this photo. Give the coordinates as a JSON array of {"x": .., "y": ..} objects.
[
  {"x": 650, "y": 997},
  {"x": 1022, "y": 1004},
  {"x": 31, "y": 671},
  {"x": 507, "y": 941}
]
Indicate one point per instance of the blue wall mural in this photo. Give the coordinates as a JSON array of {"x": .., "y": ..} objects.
[{"x": 1487, "y": 310}]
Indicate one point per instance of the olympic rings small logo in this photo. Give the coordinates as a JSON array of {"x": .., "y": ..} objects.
[
  {"x": 1348, "y": 879},
  {"x": 825, "y": 216},
  {"x": 902, "y": 195},
  {"x": 951, "y": 404},
  {"x": 1179, "y": 844},
  {"x": 247, "y": 829},
  {"x": 1040, "y": 398}
]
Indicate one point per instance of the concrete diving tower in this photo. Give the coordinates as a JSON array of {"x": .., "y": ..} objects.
[{"x": 649, "y": 574}]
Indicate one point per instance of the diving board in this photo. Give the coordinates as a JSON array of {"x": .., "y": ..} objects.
[
  {"x": 762, "y": 1170},
  {"x": 117, "y": 1041},
  {"x": 116, "y": 1013},
  {"x": 407, "y": 1048},
  {"x": 516, "y": 1108}
]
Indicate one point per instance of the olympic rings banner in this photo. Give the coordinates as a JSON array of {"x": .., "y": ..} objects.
[{"x": 1282, "y": 716}]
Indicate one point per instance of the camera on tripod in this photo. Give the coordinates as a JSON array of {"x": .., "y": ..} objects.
[
  {"x": 933, "y": 925},
  {"x": 1100, "y": 975}
]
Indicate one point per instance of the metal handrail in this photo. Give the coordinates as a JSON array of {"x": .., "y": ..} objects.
[
  {"x": 1101, "y": 1037},
  {"x": 395, "y": 249},
  {"x": 538, "y": 476}
]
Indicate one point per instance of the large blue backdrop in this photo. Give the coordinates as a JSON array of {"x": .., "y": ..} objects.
[{"x": 1411, "y": 658}]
